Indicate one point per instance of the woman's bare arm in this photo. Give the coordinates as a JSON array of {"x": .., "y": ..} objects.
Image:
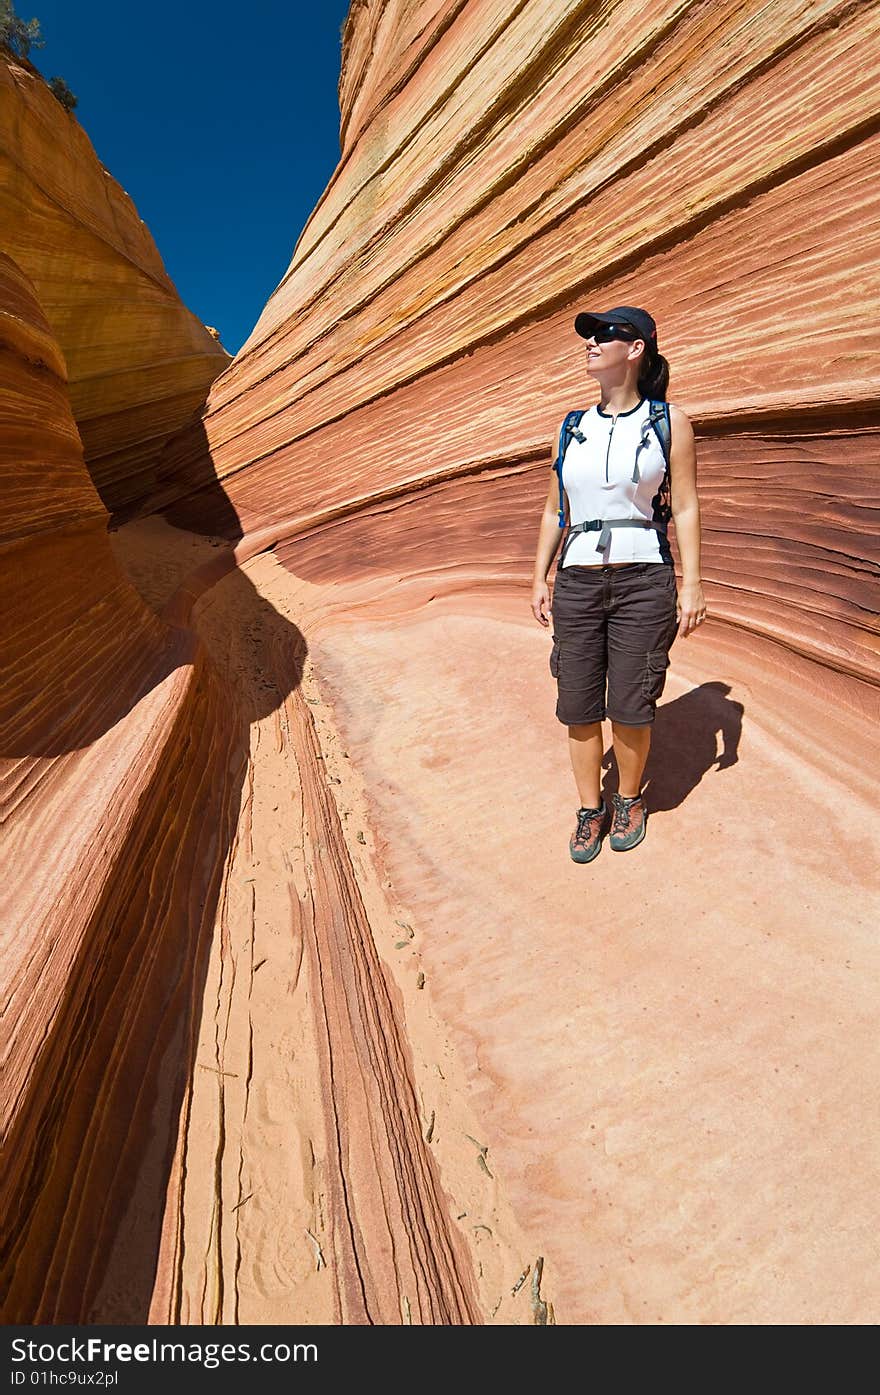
[
  {"x": 549, "y": 533},
  {"x": 686, "y": 513}
]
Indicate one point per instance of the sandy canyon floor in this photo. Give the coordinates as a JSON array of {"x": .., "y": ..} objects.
[{"x": 658, "y": 1071}]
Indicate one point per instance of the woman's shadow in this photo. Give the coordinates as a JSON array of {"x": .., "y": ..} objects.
[{"x": 684, "y": 744}]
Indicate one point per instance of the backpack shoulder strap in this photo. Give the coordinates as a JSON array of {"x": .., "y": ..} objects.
[
  {"x": 658, "y": 418},
  {"x": 569, "y": 427}
]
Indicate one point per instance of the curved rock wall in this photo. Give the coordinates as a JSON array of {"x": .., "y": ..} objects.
[
  {"x": 140, "y": 1039},
  {"x": 104, "y": 710},
  {"x": 504, "y": 166},
  {"x": 220, "y": 1094},
  {"x": 139, "y": 363}
]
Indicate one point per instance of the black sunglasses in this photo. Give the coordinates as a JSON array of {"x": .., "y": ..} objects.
[{"x": 604, "y": 334}]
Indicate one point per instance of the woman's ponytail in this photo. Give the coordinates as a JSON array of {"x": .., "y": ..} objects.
[{"x": 653, "y": 379}]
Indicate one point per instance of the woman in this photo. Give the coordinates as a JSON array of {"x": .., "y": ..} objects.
[{"x": 614, "y": 601}]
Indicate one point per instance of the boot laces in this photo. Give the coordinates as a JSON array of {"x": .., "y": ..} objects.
[
  {"x": 622, "y": 807},
  {"x": 585, "y": 818}
]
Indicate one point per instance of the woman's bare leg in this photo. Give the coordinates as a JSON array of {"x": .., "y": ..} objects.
[
  {"x": 585, "y": 746},
  {"x": 631, "y": 747}
]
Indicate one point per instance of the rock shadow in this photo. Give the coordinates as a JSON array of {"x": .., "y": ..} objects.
[
  {"x": 186, "y": 491},
  {"x": 684, "y": 745},
  {"x": 95, "y": 1131}
]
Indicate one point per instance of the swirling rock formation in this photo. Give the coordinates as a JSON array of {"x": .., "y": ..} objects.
[
  {"x": 391, "y": 1045},
  {"x": 138, "y": 362},
  {"x": 104, "y": 711},
  {"x": 130, "y": 809},
  {"x": 499, "y": 170},
  {"x": 388, "y": 425}
]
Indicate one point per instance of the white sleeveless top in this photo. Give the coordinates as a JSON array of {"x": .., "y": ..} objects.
[{"x": 597, "y": 477}]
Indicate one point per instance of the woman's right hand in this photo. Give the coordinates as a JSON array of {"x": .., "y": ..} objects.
[{"x": 541, "y": 603}]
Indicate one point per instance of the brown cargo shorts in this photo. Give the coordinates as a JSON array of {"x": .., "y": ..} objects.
[{"x": 612, "y": 626}]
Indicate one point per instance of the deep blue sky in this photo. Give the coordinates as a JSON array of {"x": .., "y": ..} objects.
[{"x": 220, "y": 120}]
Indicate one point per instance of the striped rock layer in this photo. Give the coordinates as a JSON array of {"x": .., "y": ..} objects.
[
  {"x": 217, "y": 1105},
  {"x": 137, "y": 1028},
  {"x": 506, "y": 165},
  {"x": 139, "y": 363}
]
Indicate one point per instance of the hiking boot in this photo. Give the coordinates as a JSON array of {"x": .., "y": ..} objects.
[
  {"x": 586, "y": 841},
  {"x": 630, "y": 818}
]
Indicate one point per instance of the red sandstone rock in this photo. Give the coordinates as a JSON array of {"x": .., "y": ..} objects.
[
  {"x": 494, "y": 179},
  {"x": 103, "y": 711},
  {"x": 389, "y": 425},
  {"x": 132, "y": 944},
  {"x": 139, "y": 363},
  {"x": 411, "y": 1048}
]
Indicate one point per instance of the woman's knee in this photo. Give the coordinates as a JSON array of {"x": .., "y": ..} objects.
[
  {"x": 582, "y": 731},
  {"x": 632, "y": 731}
]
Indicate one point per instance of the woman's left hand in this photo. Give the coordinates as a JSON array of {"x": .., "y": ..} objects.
[{"x": 692, "y": 604}]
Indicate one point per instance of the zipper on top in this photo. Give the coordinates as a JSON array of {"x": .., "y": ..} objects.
[{"x": 608, "y": 450}]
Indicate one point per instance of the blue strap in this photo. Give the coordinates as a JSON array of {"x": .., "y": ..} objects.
[
  {"x": 569, "y": 429},
  {"x": 658, "y": 416},
  {"x": 658, "y": 420}
]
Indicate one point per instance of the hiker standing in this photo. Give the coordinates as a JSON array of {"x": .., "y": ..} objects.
[{"x": 624, "y": 468}]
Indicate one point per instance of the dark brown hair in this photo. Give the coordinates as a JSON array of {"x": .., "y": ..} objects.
[{"x": 653, "y": 379}]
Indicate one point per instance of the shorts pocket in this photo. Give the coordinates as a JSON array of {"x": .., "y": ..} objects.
[
  {"x": 654, "y": 676},
  {"x": 554, "y": 658}
]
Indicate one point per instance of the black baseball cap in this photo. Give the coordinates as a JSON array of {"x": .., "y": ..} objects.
[{"x": 640, "y": 320}]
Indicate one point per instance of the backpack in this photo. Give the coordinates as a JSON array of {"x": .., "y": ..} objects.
[{"x": 656, "y": 420}]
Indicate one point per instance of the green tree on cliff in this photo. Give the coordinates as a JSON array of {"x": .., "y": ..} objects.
[
  {"x": 16, "y": 36},
  {"x": 19, "y": 38},
  {"x": 58, "y": 87}
]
